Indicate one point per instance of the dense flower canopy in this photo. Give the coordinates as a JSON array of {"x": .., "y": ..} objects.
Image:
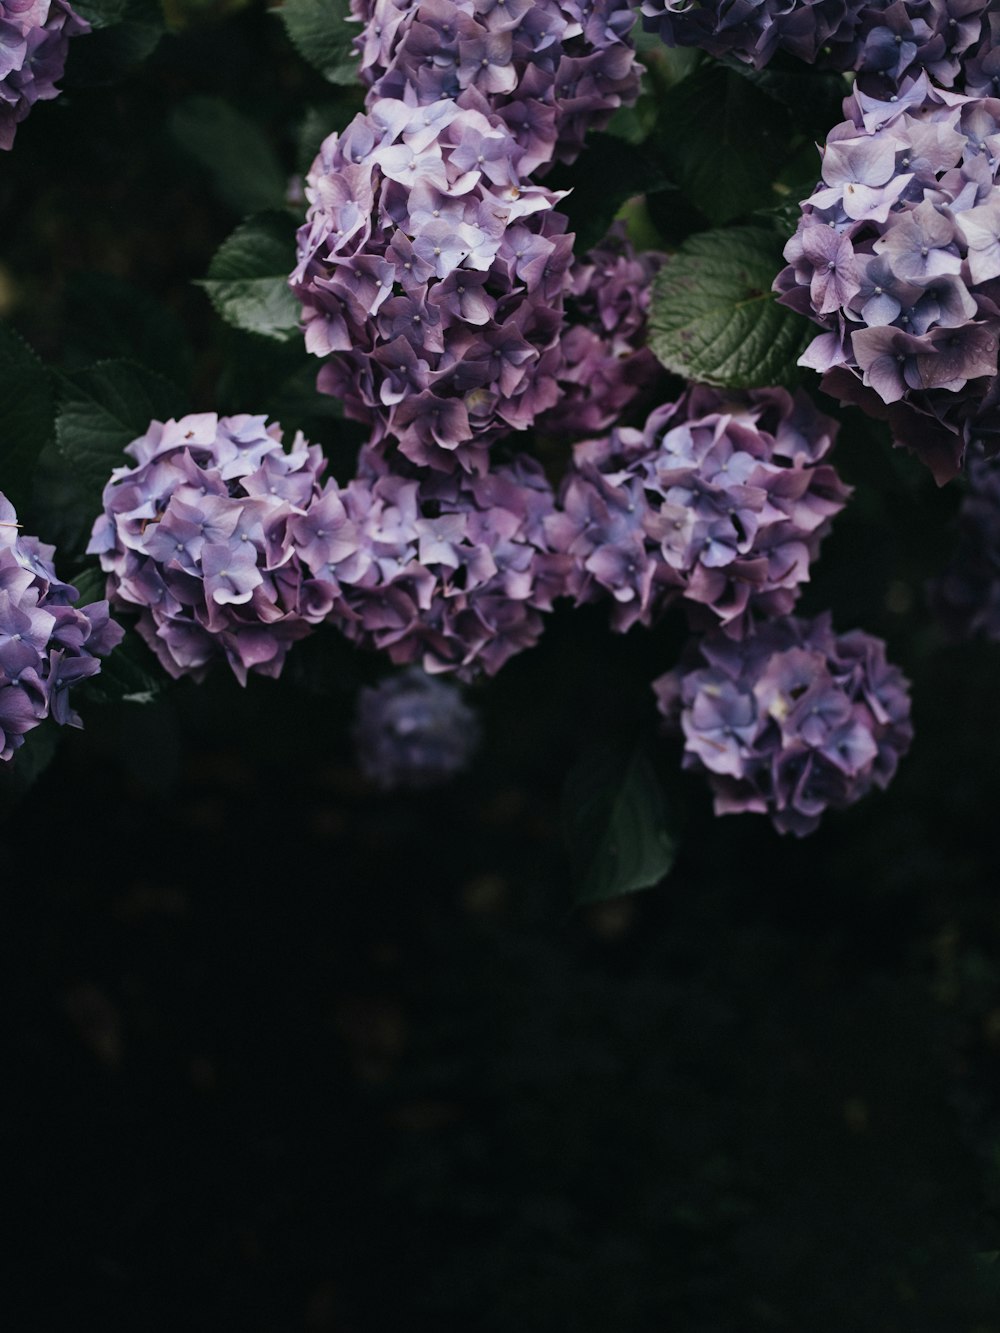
[
  {"x": 791, "y": 720},
  {"x": 47, "y": 644},
  {"x": 721, "y": 500},
  {"x": 413, "y": 731},
  {"x": 34, "y": 39},
  {"x": 206, "y": 536},
  {"x": 897, "y": 254}
]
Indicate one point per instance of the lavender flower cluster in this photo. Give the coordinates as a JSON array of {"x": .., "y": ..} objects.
[
  {"x": 212, "y": 535},
  {"x": 953, "y": 41},
  {"x": 413, "y": 731},
  {"x": 897, "y": 254},
  {"x": 719, "y": 501},
  {"x": 34, "y": 40},
  {"x": 451, "y": 570},
  {"x": 791, "y": 720},
  {"x": 967, "y": 595},
  {"x": 47, "y": 644},
  {"x": 550, "y": 71}
]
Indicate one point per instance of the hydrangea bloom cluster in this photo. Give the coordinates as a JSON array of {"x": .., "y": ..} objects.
[
  {"x": 34, "y": 39},
  {"x": 883, "y": 43},
  {"x": 212, "y": 535},
  {"x": 897, "y": 254},
  {"x": 413, "y": 731},
  {"x": 452, "y": 570},
  {"x": 434, "y": 273},
  {"x": 790, "y": 720},
  {"x": 967, "y": 595},
  {"x": 605, "y": 365},
  {"x": 550, "y": 70},
  {"x": 47, "y": 643},
  {"x": 719, "y": 501}
]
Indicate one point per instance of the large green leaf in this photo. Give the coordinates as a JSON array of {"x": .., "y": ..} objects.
[
  {"x": 248, "y": 277},
  {"x": 610, "y": 172},
  {"x": 125, "y": 32},
  {"x": 27, "y": 415},
  {"x": 238, "y": 156},
  {"x": 102, "y": 409},
  {"x": 321, "y": 32},
  {"x": 714, "y": 318},
  {"x": 615, "y": 823}
]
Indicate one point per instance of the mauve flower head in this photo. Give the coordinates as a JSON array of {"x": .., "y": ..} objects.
[
  {"x": 34, "y": 40},
  {"x": 790, "y": 720},
  {"x": 550, "y": 70},
  {"x": 721, "y": 502},
  {"x": 897, "y": 256},
  {"x": 967, "y": 595},
  {"x": 218, "y": 537},
  {"x": 883, "y": 44},
  {"x": 413, "y": 731},
  {"x": 47, "y": 643},
  {"x": 432, "y": 278},
  {"x": 453, "y": 571}
]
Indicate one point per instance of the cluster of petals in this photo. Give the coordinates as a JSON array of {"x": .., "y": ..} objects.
[
  {"x": 413, "y": 731},
  {"x": 897, "y": 255},
  {"x": 549, "y": 70},
  {"x": 967, "y": 595},
  {"x": 210, "y": 535},
  {"x": 605, "y": 366},
  {"x": 34, "y": 39},
  {"x": 451, "y": 570},
  {"x": 47, "y": 643},
  {"x": 431, "y": 276},
  {"x": 720, "y": 501},
  {"x": 790, "y": 720},
  {"x": 953, "y": 41}
]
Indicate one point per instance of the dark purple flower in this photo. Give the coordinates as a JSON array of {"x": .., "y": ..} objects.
[{"x": 413, "y": 731}]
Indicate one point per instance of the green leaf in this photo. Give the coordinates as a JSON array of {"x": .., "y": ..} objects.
[
  {"x": 130, "y": 674},
  {"x": 27, "y": 415},
  {"x": 321, "y": 32},
  {"x": 29, "y": 762},
  {"x": 724, "y": 142},
  {"x": 108, "y": 317},
  {"x": 248, "y": 277},
  {"x": 125, "y": 33},
  {"x": 242, "y": 164},
  {"x": 615, "y": 823},
  {"x": 102, "y": 409},
  {"x": 610, "y": 172},
  {"x": 714, "y": 318}
]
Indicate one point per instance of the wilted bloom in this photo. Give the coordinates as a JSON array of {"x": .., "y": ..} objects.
[
  {"x": 47, "y": 643},
  {"x": 452, "y": 570},
  {"x": 790, "y": 720},
  {"x": 550, "y": 70},
  {"x": 720, "y": 501},
  {"x": 218, "y": 537},
  {"x": 897, "y": 254},
  {"x": 413, "y": 730},
  {"x": 34, "y": 39},
  {"x": 967, "y": 595}
]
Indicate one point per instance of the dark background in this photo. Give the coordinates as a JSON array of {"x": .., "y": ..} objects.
[{"x": 283, "y": 1053}]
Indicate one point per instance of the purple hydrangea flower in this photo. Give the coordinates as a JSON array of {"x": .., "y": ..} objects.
[
  {"x": 219, "y": 537},
  {"x": 897, "y": 255},
  {"x": 967, "y": 595},
  {"x": 721, "y": 501},
  {"x": 790, "y": 720},
  {"x": 452, "y": 570},
  {"x": 550, "y": 70},
  {"x": 882, "y": 43},
  {"x": 34, "y": 39},
  {"x": 47, "y": 643},
  {"x": 414, "y": 731}
]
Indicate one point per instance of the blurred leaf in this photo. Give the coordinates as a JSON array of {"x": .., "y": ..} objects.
[
  {"x": 724, "y": 142},
  {"x": 102, "y": 409},
  {"x": 248, "y": 277},
  {"x": 322, "y": 33},
  {"x": 610, "y": 172},
  {"x": 240, "y": 159},
  {"x": 714, "y": 318},
  {"x": 125, "y": 32},
  {"x": 19, "y": 775},
  {"x": 319, "y": 122},
  {"x": 615, "y": 824},
  {"x": 131, "y": 673},
  {"x": 814, "y": 96},
  {"x": 109, "y": 317},
  {"x": 27, "y": 415}
]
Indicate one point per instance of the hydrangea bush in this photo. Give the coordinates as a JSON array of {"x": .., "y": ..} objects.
[{"x": 34, "y": 41}]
